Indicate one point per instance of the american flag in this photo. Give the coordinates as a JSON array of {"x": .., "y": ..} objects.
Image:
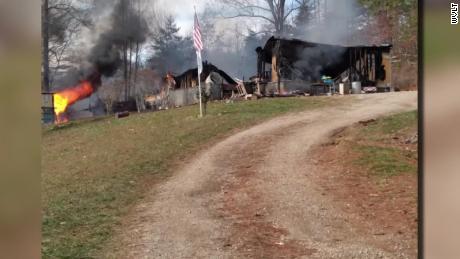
[
  {"x": 198, "y": 47},
  {"x": 197, "y": 36}
]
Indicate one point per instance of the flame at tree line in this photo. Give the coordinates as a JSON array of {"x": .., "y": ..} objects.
[{"x": 69, "y": 96}]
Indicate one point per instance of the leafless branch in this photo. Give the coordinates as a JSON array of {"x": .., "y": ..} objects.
[{"x": 251, "y": 16}]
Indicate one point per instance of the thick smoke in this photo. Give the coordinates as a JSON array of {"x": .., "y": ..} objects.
[
  {"x": 127, "y": 27},
  {"x": 313, "y": 61},
  {"x": 335, "y": 24}
]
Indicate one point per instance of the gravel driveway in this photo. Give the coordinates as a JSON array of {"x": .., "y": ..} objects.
[{"x": 251, "y": 195}]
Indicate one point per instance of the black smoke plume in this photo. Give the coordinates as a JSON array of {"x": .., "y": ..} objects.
[
  {"x": 313, "y": 62},
  {"x": 128, "y": 26}
]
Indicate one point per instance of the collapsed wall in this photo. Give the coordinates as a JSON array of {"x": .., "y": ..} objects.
[{"x": 294, "y": 65}]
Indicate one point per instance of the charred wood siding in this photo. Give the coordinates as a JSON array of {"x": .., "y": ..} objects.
[
  {"x": 370, "y": 64},
  {"x": 293, "y": 59},
  {"x": 189, "y": 78}
]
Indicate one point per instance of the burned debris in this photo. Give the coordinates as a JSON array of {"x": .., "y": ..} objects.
[
  {"x": 181, "y": 89},
  {"x": 188, "y": 79},
  {"x": 287, "y": 66}
]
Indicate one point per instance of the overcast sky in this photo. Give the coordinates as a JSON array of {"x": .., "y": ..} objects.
[{"x": 183, "y": 11}]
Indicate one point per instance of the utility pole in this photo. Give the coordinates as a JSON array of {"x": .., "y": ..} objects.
[
  {"x": 45, "y": 48},
  {"x": 47, "y": 96}
]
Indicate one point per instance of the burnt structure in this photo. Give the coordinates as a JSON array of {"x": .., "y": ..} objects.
[
  {"x": 48, "y": 116},
  {"x": 288, "y": 65},
  {"x": 188, "y": 79}
]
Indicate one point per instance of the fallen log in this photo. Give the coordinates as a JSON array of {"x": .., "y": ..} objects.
[{"x": 120, "y": 115}]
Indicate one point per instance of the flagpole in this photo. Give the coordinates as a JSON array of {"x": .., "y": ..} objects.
[{"x": 199, "y": 87}]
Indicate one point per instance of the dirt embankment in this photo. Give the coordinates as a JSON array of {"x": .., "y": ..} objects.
[
  {"x": 256, "y": 195},
  {"x": 381, "y": 198}
]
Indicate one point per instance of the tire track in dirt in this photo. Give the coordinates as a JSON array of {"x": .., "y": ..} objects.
[{"x": 251, "y": 196}]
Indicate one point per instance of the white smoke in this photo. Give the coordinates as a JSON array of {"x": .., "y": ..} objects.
[{"x": 336, "y": 22}]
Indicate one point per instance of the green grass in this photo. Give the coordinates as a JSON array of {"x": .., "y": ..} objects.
[
  {"x": 93, "y": 171},
  {"x": 383, "y": 159},
  {"x": 384, "y": 127}
]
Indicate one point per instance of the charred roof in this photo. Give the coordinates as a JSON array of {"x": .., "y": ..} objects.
[
  {"x": 207, "y": 69},
  {"x": 291, "y": 47},
  {"x": 272, "y": 40}
]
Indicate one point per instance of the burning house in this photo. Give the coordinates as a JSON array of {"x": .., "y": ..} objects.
[
  {"x": 210, "y": 73},
  {"x": 182, "y": 89},
  {"x": 287, "y": 66}
]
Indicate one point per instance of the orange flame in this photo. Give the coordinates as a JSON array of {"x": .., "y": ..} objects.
[{"x": 69, "y": 96}]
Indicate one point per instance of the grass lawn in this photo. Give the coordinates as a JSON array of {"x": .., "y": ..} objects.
[
  {"x": 93, "y": 171},
  {"x": 381, "y": 145}
]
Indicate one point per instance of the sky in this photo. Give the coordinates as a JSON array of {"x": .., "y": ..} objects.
[{"x": 183, "y": 11}]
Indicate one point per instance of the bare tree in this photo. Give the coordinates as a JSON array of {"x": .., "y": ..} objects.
[
  {"x": 62, "y": 21},
  {"x": 147, "y": 83},
  {"x": 275, "y": 12},
  {"x": 45, "y": 47},
  {"x": 109, "y": 92},
  {"x": 134, "y": 30},
  {"x": 305, "y": 16}
]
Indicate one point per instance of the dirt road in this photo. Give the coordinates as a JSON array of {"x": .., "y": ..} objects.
[{"x": 252, "y": 196}]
